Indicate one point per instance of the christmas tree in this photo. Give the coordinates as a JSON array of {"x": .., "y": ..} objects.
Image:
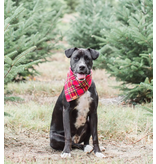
[
  {"x": 29, "y": 24},
  {"x": 30, "y": 32},
  {"x": 127, "y": 51},
  {"x": 71, "y": 5},
  {"x": 93, "y": 16},
  {"x": 12, "y": 61}
]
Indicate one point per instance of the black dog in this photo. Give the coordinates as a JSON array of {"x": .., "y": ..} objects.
[{"x": 75, "y": 121}]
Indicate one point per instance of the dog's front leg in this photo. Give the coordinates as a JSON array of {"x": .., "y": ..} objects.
[
  {"x": 93, "y": 124},
  {"x": 67, "y": 132}
]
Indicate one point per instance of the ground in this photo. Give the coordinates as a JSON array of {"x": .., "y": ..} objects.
[
  {"x": 31, "y": 147},
  {"x": 125, "y": 132}
]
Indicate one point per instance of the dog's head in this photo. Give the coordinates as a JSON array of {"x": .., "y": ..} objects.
[{"x": 81, "y": 61}]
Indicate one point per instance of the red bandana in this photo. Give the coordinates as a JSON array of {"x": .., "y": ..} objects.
[{"x": 74, "y": 88}]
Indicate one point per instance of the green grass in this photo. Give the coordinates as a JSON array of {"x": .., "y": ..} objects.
[
  {"x": 119, "y": 122},
  {"x": 36, "y": 88},
  {"x": 29, "y": 115},
  {"x": 115, "y": 122}
]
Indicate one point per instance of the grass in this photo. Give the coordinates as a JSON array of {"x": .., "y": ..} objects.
[
  {"x": 29, "y": 115},
  {"x": 124, "y": 123},
  {"x": 115, "y": 122},
  {"x": 36, "y": 88},
  {"x": 104, "y": 84}
]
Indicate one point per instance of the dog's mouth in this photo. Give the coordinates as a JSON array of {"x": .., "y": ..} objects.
[{"x": 80, "y": 76}]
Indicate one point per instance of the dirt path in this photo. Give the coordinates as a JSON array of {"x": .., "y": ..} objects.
[{"x": 33, "y": 147}]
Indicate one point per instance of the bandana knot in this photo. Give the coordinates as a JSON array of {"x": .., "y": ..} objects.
[{"x": 74, "y": 88}]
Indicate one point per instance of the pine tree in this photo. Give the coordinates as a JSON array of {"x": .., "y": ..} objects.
[
  {"x": 127, "y": 51},
  {"x": 31, "y": 23},
  {"x": 12, "y": 61},
  {"x": 30, "y": 32},
  {"x": 71, "y": 5},
  {"x": 93, "y": 16}
]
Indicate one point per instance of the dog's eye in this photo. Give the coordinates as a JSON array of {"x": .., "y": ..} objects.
[{"x": 76, "y": 58}]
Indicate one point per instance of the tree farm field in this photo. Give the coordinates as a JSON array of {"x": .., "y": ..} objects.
[{"x": 125, "y": 131}]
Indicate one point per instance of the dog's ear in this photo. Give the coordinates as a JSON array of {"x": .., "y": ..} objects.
[
  {"x": 93, "y": 53},
  {"x": 70, "y": 51}
]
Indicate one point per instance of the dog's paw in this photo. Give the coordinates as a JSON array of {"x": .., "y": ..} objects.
[
  {"x": 102, "y": 148},
  {"x": 100, "y": 155},
  {"x": 65, "y": 155},
  {"x": 88, "y": 149}
]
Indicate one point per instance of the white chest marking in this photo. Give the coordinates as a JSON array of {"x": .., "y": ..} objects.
[{"x": 83, "y": 109}]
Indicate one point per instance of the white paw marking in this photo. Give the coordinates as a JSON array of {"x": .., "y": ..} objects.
[
  {"x": 100, "y": 155},
  {"x": 88, "y": 149},
  {"x": 65, "y": 155},
  {"x": 102, "y": 148}
]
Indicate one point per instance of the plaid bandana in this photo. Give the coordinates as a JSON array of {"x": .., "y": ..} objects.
[{"x": 74, "y": 88}]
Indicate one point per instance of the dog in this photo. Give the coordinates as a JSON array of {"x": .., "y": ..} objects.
[{"x": 74, "y": 118}]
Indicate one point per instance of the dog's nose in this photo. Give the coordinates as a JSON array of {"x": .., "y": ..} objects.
[{"x": 81, "y": 67}]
